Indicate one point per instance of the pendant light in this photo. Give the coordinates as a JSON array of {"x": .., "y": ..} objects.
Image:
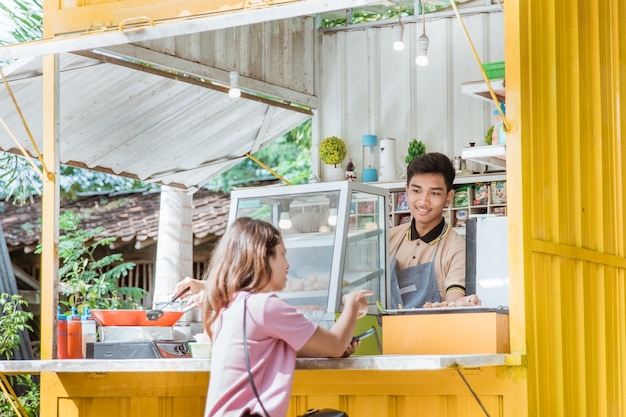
[
  {"x": 332, "y": 217},
  {"x": 422, "y": 42},
  {"x": 398, "y": 44},
  {"x": 234, "y": 90},
  {"x": 285, "y": 221}
]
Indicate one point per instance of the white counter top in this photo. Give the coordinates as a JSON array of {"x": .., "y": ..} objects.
[{"x": 375, "y": 363}]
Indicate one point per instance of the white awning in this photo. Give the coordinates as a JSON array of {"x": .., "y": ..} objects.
[{"x": 141, "y": 125}]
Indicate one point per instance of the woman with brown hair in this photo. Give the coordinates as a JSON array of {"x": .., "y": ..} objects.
[{"x": 247, "y": 267}]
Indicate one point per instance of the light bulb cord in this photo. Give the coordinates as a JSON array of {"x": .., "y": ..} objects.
[{"x": 424, "y": 17}]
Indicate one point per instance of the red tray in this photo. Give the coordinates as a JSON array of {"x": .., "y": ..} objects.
[{"x": 134, "y": 318}]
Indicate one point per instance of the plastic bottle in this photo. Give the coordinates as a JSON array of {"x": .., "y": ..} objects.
[
  {"x": 61, "y": 334},
  {"x": 74, "y": 336},
  {"x": 88, "y": 327},
  {"x": 498, "y": 137}
]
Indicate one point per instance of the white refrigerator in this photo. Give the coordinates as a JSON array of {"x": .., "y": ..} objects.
[{"x": 487, "y": 259}]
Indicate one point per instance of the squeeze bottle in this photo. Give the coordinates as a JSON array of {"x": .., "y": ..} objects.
[
  {"x": 61, "y": 334},
  {"x": 74, "y": 336},
  {"x": 88, "y": 326}
]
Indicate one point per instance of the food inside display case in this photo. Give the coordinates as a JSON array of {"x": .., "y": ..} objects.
[{"x": 335, "y": 235}]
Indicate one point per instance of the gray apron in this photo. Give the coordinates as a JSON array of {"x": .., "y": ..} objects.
[{"x": 415, "y": 285}]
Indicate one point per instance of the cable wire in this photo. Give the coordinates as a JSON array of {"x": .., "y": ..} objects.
[
  {"x": 473, "y": 393},
  {"x": 507, "y": 127}
]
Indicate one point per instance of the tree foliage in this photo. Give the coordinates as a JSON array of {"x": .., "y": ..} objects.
[
  {"x": 13, "y": 320},
  {"x": 289, "y": 156},
  {"x": 87, "y": 280},
  {"x": 27, "y": 16}
]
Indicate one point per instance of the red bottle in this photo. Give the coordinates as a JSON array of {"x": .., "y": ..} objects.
[
  {"x": 74, "y": 336},
  {"x": 61, "y": 335}
]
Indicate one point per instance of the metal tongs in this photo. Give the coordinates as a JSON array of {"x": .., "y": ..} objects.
[{"x": 156, "y": 314}]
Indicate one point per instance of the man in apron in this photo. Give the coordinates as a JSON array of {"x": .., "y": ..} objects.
[{"x": 427, "y": 256}]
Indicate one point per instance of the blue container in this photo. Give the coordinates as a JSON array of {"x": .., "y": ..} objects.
[
  {"x": 370, "y": 158},
  {"x": 369, "y": 175}
]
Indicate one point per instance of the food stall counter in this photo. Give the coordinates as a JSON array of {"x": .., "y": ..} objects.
[{"x": 377, "y": 362}]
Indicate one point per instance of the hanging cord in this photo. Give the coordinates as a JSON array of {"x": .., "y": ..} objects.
[
  {"x": 30, "y": 135},
  {"x": 245, "y": 351},
  {"x": 507, "y": 127},
  {"x": 271, "y": 171},
  {"x": 15, "y": 403},
  {"x": 423, "y": 17},
  {"x": 472, "y": 391}
]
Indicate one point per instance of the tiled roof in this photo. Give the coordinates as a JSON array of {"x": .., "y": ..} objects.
[{"x": 130, "y": 217}]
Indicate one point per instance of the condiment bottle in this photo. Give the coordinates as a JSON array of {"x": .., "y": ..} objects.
[
  {"x": 61, "y": 334},
  {"x": 498, "y": 137},
  {"x": 88, "y": 327},
  {"x": 74, "y": 336}
]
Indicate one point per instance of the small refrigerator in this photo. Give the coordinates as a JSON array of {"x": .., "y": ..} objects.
[{"x": 487, "y": 259}]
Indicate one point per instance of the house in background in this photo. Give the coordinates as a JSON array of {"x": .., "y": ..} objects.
[{"x": 131, "y": 217}]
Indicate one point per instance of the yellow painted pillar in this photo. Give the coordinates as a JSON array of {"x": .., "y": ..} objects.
[{"x": 50, "y": 206}]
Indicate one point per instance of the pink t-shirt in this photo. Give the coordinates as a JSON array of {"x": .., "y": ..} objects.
[{"x": 276, "y": 331}]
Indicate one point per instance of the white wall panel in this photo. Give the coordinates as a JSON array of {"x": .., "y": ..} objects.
[{"x": 368, "y": 88}]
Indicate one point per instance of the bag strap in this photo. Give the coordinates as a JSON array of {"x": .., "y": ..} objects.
[{"x": 245, "y": 351}]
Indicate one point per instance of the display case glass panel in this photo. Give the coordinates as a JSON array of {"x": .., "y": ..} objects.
[{"x": 335, "y": 235}]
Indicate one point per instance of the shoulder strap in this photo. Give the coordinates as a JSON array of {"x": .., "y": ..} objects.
[{"x": 245, "y": 351}]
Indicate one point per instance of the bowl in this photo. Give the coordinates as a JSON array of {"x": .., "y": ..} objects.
[
  {"x": 134, "y": 318},
  {"x": 200, "y": 350}
]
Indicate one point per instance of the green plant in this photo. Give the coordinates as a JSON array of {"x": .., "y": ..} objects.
[
  {"x": 85, "y": 280},
  {"x": 13, "y": 320},
  {"x": 488, "y": 136},
  {"x": 333, "y": 150},
  {"x": 416, "y": 148}
]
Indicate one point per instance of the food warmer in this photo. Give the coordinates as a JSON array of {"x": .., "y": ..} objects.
[{"x": 336, "y": 238}]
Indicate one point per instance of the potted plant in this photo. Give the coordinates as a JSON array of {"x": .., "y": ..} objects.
[
  {"x": 416, "y": 148},
  {"x": 332, "y": 152},
  {"x": 350, "y": 174}
]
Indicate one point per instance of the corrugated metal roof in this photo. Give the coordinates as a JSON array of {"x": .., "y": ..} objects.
[
  {"x": 128, "y": 217},
  {"x": 138, "y": 124}
]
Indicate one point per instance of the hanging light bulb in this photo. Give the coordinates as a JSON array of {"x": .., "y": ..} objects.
[
  {"x": 422, "y": 42},
  {"x": 422, "y": 51},
  {"x": 332, "y": 217},
  {"x": 234, "y": 90},
  {"x": 398, "y": 44},
  {"x": 285, "y": 221}
]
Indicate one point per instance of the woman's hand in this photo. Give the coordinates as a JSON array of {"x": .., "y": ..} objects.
[
  {"x": 351, "y": 348},
  {"x": 359, "y": 299},
  {"x": 196, "y": 290}
]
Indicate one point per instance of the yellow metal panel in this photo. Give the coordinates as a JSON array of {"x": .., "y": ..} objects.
[
  {"x": 360, "y": 393},
  {"x": 570, "y": 83},
  {"x": 565, "y": 158}
]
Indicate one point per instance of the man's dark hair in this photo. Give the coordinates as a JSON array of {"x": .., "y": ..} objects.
[{"x": 432, "y": 163}]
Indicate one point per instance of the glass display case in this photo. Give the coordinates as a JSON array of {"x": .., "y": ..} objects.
[{"x": 336, "y": 238}]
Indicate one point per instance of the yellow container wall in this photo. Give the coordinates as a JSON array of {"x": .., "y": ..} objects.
[
  {"x": 360, "y": 393},
  {"x": 566, "y": 75}
]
